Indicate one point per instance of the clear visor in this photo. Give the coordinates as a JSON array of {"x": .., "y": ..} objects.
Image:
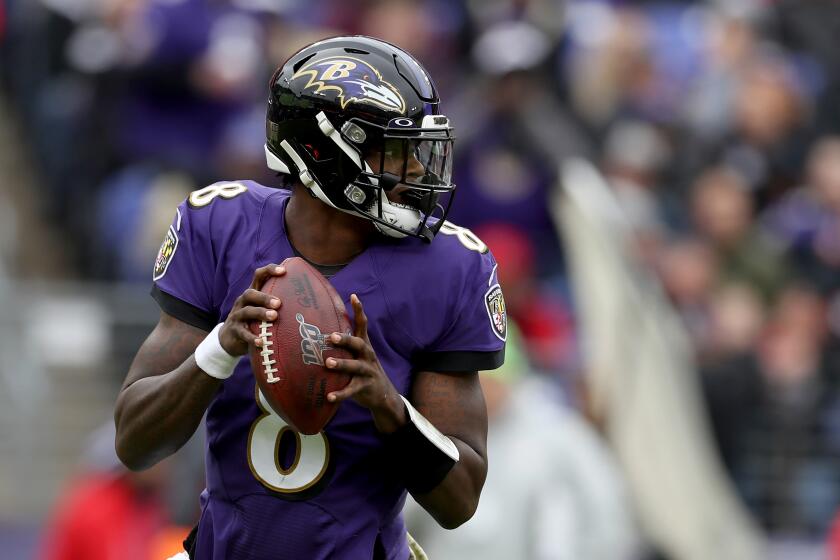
[
  {"x": 425, "y": 163},
  {"x": 413, "y": 169}
]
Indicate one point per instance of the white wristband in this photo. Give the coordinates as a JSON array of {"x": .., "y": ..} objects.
[
  {"x": 430, "y": 432},
  {"x": 212, "y": 358}
]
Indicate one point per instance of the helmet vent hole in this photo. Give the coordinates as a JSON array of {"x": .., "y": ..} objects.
[
  {"x": 301, "y": 62},
  {"x": 355, "y": 51}
]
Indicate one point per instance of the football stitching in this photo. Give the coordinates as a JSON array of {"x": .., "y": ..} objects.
[{"x": 266, "y": 353}]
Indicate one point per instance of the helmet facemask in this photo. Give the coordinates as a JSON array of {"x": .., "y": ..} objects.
[
  {"x": 404, "y": 185},
  {"x": 410, "y": 172}
]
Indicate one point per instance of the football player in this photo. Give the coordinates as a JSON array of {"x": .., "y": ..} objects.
[{"x": 356, "y": 125}]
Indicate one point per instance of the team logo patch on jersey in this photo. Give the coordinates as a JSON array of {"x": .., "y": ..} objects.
[
  {"x": 165, "y": 254},
  {"x": 355, "y": 80},
  {"x": 312, "y": 342},
  {"x": 495, "y": 303}
]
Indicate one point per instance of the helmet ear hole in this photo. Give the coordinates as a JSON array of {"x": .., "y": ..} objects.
[{"x": 313, "y": 151}]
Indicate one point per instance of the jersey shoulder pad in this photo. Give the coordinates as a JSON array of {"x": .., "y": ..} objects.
[
  {"x": 213, "y": 236},
  {"x": 445, "y": 298}
]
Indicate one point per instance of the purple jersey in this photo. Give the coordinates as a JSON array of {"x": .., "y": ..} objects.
[{"x": 273, "y": 493}]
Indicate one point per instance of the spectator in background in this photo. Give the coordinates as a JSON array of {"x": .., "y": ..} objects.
[
  {"x": 723, "y": 213},
  {"x": 634, "y": 154},
  {"x": 737, "y": 318},
  {"x": 807, "y": 30},
  {"x": 775, "y": 417},
  {"x": 194, "y": 66},
  {"x": 547, "y": 15},
  {"x": 807, "y": 220},
  {"x": 768, "y": 133},
  {"x": 609, "y": 72},
  {"x": 134, "y": 207},
  {"x": 425, "y": 28},
  {"x": 108, "y": 84},
  {"x": 553, "y": 495},
  {"x": 110, "y": 513},
  {"x": 729, "y": 42},
  {"x": 727, "y": 364},
  {"x": 688, "y": 268},
  {"x": 135, "y": 204},
  {"x": 507, "y": 165}
]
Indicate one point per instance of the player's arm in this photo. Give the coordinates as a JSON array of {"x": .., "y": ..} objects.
[
  {"x": 166, "y": 392},
  {"x": 164, "y": 395},
  {"x": 443, "y": 471},
  {"x": 454, "y": 404}
]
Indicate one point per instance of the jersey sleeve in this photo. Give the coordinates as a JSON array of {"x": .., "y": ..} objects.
[
  {"x": 211, "y": 244},
  {"x": 476, "y": 327},
  {"x": 185, "y": 269}
]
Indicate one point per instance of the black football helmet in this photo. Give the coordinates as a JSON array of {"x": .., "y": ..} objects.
[{"x": 355, "y": 118}]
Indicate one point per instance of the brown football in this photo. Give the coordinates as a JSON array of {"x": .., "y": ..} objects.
[{"x": 289, "y": 367}]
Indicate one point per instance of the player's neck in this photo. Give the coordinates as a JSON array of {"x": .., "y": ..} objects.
[{"x": 322, "y": 234}]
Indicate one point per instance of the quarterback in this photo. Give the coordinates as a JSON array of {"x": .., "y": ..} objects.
[{"x": 355, "y": 125}]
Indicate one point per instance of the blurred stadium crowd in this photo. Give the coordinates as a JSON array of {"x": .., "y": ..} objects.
[{"x": 715, "y": 123}]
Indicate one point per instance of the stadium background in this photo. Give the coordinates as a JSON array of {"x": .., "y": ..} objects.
[{"x": 676, "y": 299}]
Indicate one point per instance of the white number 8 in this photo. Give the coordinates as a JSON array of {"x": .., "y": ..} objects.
[
  {"x": 467, "y": 238},
  {"x": 203, "y": 197},
  {"x": 312, "y": 453}
]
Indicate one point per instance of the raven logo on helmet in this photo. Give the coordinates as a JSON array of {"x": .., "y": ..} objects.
[{"x": 355, "y": 80}]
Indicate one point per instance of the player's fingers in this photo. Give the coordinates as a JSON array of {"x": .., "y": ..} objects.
[
  {"x": 346, "y": 393},
  {"x": 253, "y": 313},
  {"x": 246, "y": 335},
  {"x": 359, "y": 317},
  {"x": 353, "y": 367},
  {"x": 258, "y": 299},
  {"x": 263, "y": 273},
  {"x": 357, "y": 346}
]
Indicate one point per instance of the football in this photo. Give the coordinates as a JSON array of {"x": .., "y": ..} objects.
[{"x": 289, "y": 367}]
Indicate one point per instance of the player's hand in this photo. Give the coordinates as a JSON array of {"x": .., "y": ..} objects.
[
  {"x": 253, "y": 305},
  {"x": 369, "y": 385}
]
